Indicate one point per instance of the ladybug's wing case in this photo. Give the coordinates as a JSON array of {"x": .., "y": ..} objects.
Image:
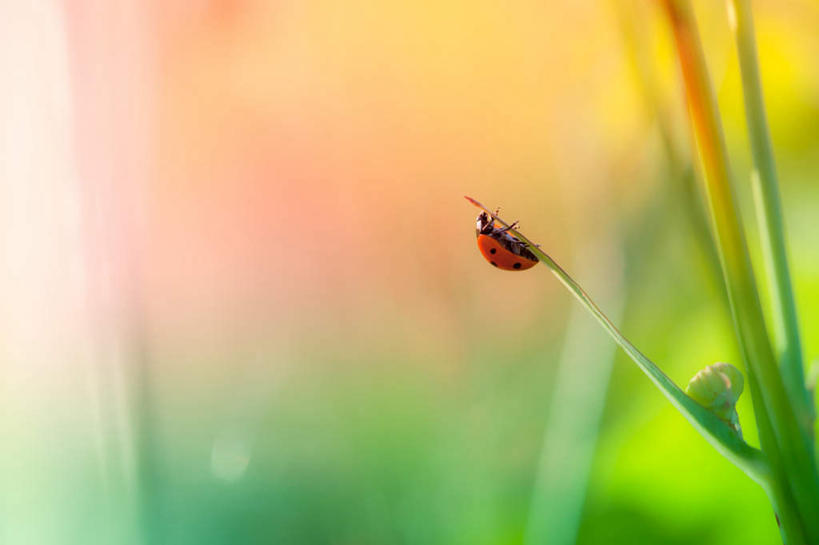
[
  {"x": 501, "y": 256},
  {"x": 515, "y": 246}
]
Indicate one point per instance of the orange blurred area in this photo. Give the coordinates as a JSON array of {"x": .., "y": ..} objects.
[{"x": 312, "y": 156}]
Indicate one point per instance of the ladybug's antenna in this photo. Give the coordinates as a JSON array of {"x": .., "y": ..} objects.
[{"x": 476, "y": 203}]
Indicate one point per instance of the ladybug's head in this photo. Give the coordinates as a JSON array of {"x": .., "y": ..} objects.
[{"x": 484, "y": 224}]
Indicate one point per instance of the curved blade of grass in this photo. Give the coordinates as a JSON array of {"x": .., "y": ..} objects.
[
  {"x": 715, "y": 431},
  {"x": 575, "y": 410},
  {"x": 769, "y": 213}
]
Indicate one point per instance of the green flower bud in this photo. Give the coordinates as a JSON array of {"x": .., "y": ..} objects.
[{"x": 717, "y": 388}]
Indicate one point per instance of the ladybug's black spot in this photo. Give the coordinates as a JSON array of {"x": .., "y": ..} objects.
[
  {"x": 493, "y": 263},
  {"x": 493, "y": 251},
  {"x": 516, "y": 265}
]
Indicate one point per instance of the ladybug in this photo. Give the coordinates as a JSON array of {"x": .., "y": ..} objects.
[{"x": 501, "y": 248}]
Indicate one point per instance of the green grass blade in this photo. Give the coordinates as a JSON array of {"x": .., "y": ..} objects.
[
  {"x": 780, "y": 432},
  {"x": 575, "y": 410},
  {"x": 721, "y": 437},
  {"x": 769, "y": 213}
]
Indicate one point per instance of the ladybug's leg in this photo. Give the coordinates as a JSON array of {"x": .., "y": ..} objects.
[{"x": 512, "y": 226}]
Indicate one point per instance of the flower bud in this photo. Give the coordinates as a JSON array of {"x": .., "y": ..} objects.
[{"x": 717, "y": 388}]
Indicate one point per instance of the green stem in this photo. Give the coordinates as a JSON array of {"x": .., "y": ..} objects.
[
  {"x": 784, "y": 442},
  {"x": 769, "y": 213},
  {"x": 679, "y": 169},
  {"x": 715, "y": 431},
  {"x": 777, "y": 489}
]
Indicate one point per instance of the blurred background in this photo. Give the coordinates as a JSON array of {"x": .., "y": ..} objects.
[{"x": 241, "y": 301}]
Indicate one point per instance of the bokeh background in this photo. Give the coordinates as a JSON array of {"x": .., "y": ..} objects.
[{"x": 242, "y": 302}]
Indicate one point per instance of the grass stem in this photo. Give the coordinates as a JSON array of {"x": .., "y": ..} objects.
[
  {"x": 769, "y": 214},
  {"x": 780, "y": 432}
]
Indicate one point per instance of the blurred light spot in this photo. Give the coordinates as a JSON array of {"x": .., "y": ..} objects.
[{"x": 229, "y": 458}]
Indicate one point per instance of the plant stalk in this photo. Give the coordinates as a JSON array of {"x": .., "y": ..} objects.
[
  {"x": 783, "y": 441},
  {"x": 769, "y": 215}
]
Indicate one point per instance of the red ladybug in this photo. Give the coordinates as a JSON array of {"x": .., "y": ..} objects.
[{"x": 501, "y": 248}]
